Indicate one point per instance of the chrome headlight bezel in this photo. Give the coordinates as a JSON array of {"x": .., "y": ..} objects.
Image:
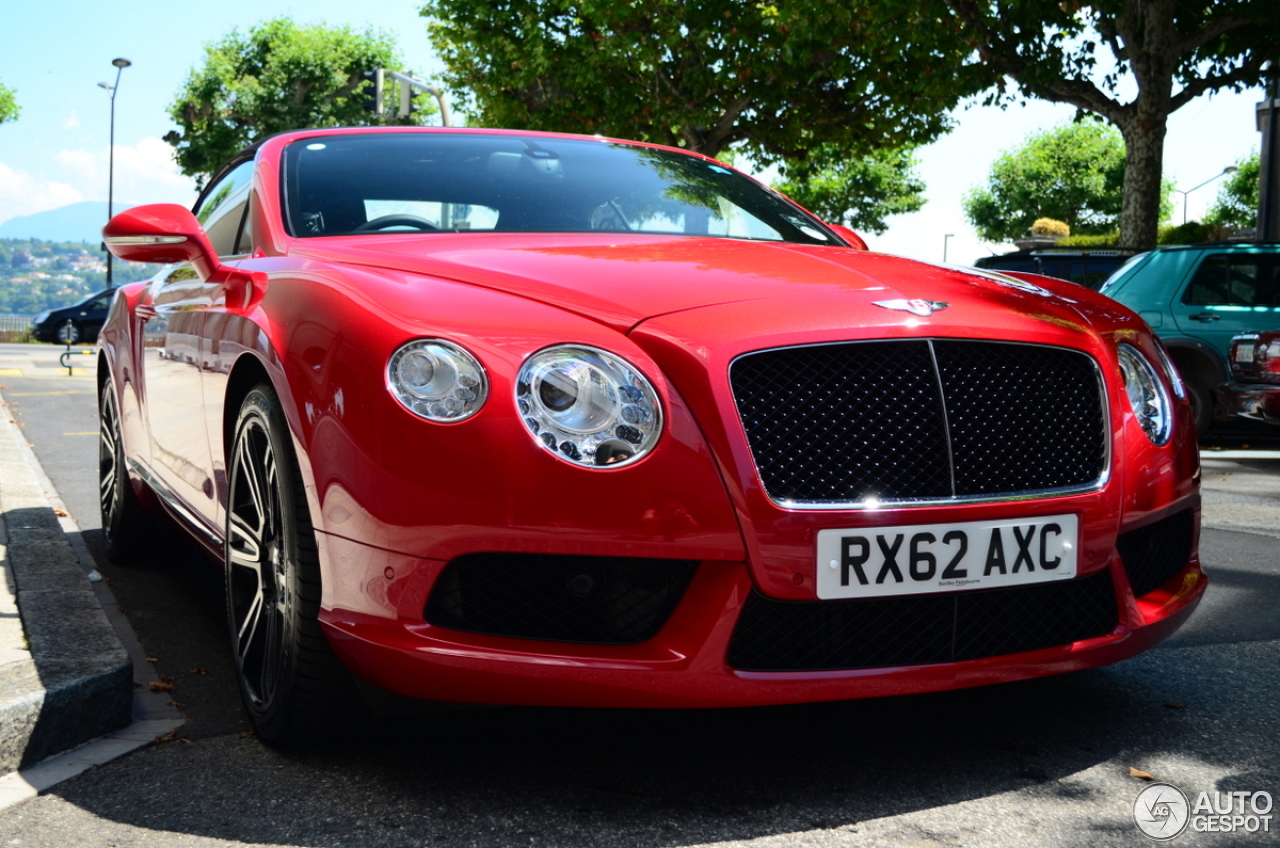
[
  {"x": 1171, "y": 371},
  {"x": 437, "y": 380},
  {"x": 588, "y": 407},
  {"x": 1146, "y": 393}
]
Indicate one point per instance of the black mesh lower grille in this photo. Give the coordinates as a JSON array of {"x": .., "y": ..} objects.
[
  {"x": 605, "y": 600},
  {"x": 775, "y": 635},
  {"x": 1155, "y": 554},
  {"x": 921, "y": 419}
]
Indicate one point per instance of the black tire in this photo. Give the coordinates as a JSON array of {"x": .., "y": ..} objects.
[
  {"x": 69, "y": 333},
  {"x": 1202, "y": 404},
  {"x": 293, "y": 687},
  {"x": 127, "y": 527}
]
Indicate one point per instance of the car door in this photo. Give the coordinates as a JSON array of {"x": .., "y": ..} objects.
[
  {"x": 1228, "y": 292},
  {"x": 174, "y": 312}
]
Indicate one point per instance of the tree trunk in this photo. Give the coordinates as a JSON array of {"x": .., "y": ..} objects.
[{"x": 1143, "y": 169}]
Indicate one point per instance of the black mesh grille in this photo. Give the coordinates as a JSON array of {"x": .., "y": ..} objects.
[
  {"x": 606, "y": 600},
  {"x": 1155, "y": 554},
  {"x": 775, "y": 635},
  {"x": 839, "y": 423}
]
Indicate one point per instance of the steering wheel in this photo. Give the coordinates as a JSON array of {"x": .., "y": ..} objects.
[{"x": 398, "y": 219}]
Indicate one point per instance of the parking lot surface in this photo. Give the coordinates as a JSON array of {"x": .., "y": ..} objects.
[{"x": 1054, "y": 762}]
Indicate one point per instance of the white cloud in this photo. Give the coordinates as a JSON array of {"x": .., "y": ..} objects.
[
  {"x": 71, "y": 121},
  {"x": 22, "y": 193},
  {"x": 144, "y": 173}
]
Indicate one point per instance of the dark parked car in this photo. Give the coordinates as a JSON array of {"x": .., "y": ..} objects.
[
  {"x": 79, "y": 322},
  {"x": 1197, "y": 298},
  {"x": 1087, "y": 266},
  {"x": 1254, "y": 390}
]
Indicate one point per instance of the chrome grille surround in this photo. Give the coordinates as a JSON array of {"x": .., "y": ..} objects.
[{"x": 955, "y": 412}]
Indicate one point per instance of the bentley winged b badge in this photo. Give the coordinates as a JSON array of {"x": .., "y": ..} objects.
[{"x": 916, "y": 306}]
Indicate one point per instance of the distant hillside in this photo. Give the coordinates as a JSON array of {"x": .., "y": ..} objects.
[
  {"x": 77, "y": 222},
  {"x": 36, "y": 275}
]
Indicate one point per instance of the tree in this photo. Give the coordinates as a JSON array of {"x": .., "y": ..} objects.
[
  {"x": 774, "y": 79},
  {"x": 1093, "y": 57},
  {"x": 1237, "y": 203},
  {"x": 280, "y": 76},
  {"x": 859, "y": 192},
  {"x": 9, "y": 108},
  {"x": 1072, "y": 173}
]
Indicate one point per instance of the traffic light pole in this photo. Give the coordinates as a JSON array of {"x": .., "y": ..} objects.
[
  {"x": 1269, "y": 176},
  {"x": 410, "y": 84}
]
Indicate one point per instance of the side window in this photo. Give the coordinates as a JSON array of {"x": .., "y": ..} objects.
[
  {"x": 222, "y": 210},
  {"x": 244, "y": 244},
  {"x": 1225, "y": 279},
  {"x": 1055, "y": 267}
]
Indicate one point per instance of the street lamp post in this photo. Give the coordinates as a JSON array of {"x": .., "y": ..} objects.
[
  {"x": 111, "y": 88},
  {"x": 1184, "y": 194},
  {"x": 945, "y": 238}
]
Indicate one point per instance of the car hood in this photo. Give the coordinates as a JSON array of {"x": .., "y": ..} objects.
[{"x": 624, "y": 280}]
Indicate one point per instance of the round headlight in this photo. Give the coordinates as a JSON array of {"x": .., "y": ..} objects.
[
  {"x": 437, "y": 380},
  {"x": 588, "y": 407},
  {"x": 1147, "y": 397}
]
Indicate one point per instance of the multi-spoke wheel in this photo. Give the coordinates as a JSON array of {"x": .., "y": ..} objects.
[
  {"x": 293, "y": 687},
  {"x": 69, "y": 333},
  {"x": 126, "y": 525}
]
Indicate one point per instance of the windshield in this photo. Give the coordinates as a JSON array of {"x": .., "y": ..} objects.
[
  {"x": 1122, "y": 272},
  {"x": 460, "y": 182}
]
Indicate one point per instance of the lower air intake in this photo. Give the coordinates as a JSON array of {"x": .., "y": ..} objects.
[
  {"x": 1155, "y": 554},
  {"x": 775, "y": 635},
  {"x": 594, "y": 599}
]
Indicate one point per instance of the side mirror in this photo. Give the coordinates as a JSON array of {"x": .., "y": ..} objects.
[
  {"x": 165, "y": 233},
  {"x": 848, "y": 235}
]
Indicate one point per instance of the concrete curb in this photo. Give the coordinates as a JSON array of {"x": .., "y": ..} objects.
[{"x": 65, "y": 676}]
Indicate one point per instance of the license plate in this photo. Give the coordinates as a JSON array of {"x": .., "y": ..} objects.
[
  {"x": 1244, "y": 352},
  {"x": 922, "y": 558}
]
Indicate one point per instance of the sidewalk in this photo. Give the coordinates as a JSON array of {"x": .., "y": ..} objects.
[{"x": 66, "y": 676}]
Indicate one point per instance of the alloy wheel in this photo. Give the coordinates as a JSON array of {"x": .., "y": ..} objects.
[
  {"x": 257, "y": 589},
  {"x": 68, "y": 334},
  {"x": 109, "y": 454}
]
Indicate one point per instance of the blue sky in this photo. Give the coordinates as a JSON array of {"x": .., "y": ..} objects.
[{"x": 56, "y": 153}]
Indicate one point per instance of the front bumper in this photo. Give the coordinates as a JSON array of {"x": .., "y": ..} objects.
[
  {"x": 1252, "y": 400},
  {"x": 385, "y": 640}
]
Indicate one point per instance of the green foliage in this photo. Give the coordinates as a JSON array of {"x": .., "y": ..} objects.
[
  {"x": 775, "y": 78},
  {"x": 1103, "y": 240},
  {"x": 1192, "y": 232},
  {"x": 278, "y": 77},
  {"x": 1132, "y": 63},
  {"x": 1072, "y": 173},
  {"x": 9, "y": 108},
  {"x": 859, "y": 192},
  {"x": 36, "y": 275},
  {"x": 1237, "y": 203}
]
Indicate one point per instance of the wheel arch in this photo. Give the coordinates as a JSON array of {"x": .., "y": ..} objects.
[
  {"x": 248, "y": 371},
  {"x": 1197, "y": 360},
  {"x": 104, "y": 370}
]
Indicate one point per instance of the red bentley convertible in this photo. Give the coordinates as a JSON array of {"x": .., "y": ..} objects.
[{"x": 522, "y": 418}]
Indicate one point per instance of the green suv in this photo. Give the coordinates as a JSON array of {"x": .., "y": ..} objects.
[{"x": 1196, "y": 297}]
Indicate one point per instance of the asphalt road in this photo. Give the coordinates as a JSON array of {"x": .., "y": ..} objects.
[{"x": 1043, "y": 762}]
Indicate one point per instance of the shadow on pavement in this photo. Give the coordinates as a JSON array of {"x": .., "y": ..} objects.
[{"x": 508, "y": 776}]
